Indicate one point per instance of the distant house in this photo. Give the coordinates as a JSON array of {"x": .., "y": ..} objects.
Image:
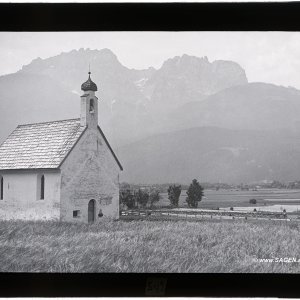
[{"x": 62, "y": 170}]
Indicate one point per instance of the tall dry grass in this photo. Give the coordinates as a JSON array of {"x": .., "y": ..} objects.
[{"x": 145, "y": 246}]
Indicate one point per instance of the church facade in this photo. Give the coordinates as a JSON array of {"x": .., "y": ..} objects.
[{"x": 62, "y": 170}]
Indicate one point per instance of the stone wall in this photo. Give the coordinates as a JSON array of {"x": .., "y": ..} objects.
[
  {"x": 90, "y": 172},
  {"x": 21, "y": 198}
]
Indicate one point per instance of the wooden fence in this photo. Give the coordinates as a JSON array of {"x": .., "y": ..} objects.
[{"x": 168, "y": 214}]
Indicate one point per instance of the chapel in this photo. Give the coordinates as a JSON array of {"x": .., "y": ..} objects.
[{"x": 61, "y": 170}]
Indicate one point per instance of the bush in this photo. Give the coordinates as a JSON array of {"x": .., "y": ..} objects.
[
  {"x": 127, "y": 198},
  {"x": 231, "y": 208},
  {"x": 142, "y": 198},
  {"x": 254, "y": 210},
  {"x": 253, "y": 201},
  {"x": 154, "y": 197}
]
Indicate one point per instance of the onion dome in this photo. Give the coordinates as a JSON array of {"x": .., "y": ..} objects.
[{"x": 89, "y": 85}]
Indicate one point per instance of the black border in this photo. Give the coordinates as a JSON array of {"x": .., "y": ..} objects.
[
  {"x": 150, "y": 17},
  {"x": 135, "y": 285}
]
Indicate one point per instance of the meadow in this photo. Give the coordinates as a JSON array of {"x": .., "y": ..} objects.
[
  {"x": 237, "y": 198},
  {"x": 148, "y": 246}
]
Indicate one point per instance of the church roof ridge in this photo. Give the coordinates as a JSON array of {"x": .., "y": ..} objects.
[
  {"x": 48, "y": 122},
  {"x": 43, "y": 146},
  {"x": 39, "y": 145}
]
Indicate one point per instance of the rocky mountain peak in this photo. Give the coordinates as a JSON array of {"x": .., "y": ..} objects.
[
  {"x": 187, "y": 78},
  {"x": 66, "y": 60},
  {"x": 184, "y": 62}
]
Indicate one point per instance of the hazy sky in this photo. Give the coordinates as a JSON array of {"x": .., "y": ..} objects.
[{"x": 272, "y": 57}]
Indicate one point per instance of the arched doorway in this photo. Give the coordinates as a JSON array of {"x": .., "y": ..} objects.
[{"x": 91, "y": 211}]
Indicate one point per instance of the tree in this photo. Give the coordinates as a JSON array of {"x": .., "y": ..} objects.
[
  {"x": 252, "y": 201},
  {"x": 127, "y": 198},
  {"x": 195, "y": 194},
  {"x": 174, "y": 192},
  {"x": 142, "y": 198},
  {"x": 154, "y": 197}
]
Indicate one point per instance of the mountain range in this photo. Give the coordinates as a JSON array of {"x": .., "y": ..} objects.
[{"x": 189, "y": 118}]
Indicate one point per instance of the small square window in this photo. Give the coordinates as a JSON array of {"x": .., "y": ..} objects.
[{"x": 76, "y": 213}]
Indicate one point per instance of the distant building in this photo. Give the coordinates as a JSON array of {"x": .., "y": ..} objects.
[{"x": 61, "y": 170}]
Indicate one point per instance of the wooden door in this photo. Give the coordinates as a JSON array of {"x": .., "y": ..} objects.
[{"x": 91, "y": 211}]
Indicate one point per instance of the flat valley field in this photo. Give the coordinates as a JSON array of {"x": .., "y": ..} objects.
[
  {"x": 280, "y": 198},
  {"x": 150, "y": 246}
]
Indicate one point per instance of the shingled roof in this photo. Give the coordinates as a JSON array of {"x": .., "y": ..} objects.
[{"x": 39, "y": 145}]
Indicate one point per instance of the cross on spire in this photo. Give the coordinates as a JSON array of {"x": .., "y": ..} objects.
[{"x": 89, "y": 69}]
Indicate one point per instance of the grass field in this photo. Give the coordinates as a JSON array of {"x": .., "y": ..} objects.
[
  {"x": 145, "y": 246},
  {"x": 237, "y": 198}
]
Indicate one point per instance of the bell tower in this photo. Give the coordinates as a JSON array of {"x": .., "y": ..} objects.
[{"x": 89, "y": 104}]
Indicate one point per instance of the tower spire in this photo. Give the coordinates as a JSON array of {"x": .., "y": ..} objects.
[
  {"x": 89, "y": 103},
  {"x": 89, "y": 85}
]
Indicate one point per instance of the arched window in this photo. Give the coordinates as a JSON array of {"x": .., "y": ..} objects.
[
  {"x": 40, "y": 191},
  {"x": 92, "y": 106},
  {"x": 1, "y": 188},
  {"x": 42, "y": 187}
]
